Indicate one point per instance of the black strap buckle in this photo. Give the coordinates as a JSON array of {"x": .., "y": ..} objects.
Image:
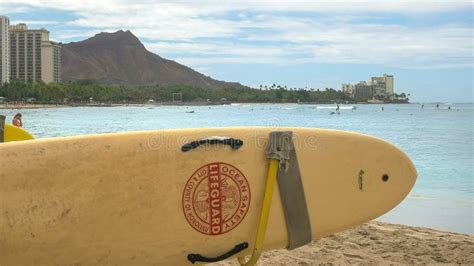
[{"x": 193, "y": 258}]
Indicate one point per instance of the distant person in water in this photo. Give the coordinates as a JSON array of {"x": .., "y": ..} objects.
[
  {"x": 422, "y": 106},
  {"x": 449, "y": 107},
  {"x": 17, "y": 120},
  {"x": 382, "y": 108},
  {"x": 337, "y": 108},
  {"x": 437, "y": 105}
]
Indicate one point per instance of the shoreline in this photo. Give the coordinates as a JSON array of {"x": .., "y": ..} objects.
[
  {"x": 377, "y": 243},
  {"x": 38, "y": 106}
]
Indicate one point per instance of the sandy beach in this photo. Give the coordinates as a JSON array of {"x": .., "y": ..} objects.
[
  {"x": 28, "y": 106},
  {"x": 377, "y": 243}
]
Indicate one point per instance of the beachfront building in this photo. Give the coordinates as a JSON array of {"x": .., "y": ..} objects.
[
  {"x": 33, "y": 56},
  {"x": 4, "y": 50},
  {"x": 379, "y": 91},
  {"x": 51, "y": 58},
  {"x": 385, "y": 82},
  {"x": 347, "y": 88},
  {"x": 389, "y": 83},
  {"x": 363, "y": 91},
  {"x": 377, "y": 88}
]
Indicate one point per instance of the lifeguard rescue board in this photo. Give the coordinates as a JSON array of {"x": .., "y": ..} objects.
[{"x": 138, "y": 199}]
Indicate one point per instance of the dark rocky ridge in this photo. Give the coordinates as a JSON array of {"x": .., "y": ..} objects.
[{"x": 120, "y": 58}]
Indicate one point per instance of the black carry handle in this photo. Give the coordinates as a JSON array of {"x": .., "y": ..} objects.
[
  {"x": 197, "y": 257},
  {"x": 233, "y": 143},
  {"x": 2, "y": 128}
]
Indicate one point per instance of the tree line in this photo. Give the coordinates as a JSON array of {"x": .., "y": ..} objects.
[{"x": 83, "y": 91}]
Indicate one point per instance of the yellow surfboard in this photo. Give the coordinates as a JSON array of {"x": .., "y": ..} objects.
[
  {"x": 13, "y": 133},
  {"x": 144, "y": 198}
]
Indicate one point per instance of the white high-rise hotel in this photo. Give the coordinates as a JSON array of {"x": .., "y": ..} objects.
[
  {"x": 4, "y": 50},
  {"x": 28, "y": 54}
]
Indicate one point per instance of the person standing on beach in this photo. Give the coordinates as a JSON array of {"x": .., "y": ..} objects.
[{"x": 17, "y": 120}]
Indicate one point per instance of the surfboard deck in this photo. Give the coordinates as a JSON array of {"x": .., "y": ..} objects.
[
  {"x": 13, "y": 133},
  {"x": 136, "y": 198}
]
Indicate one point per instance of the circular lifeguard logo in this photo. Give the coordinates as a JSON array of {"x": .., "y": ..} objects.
[{"x": 216, "y": 198}]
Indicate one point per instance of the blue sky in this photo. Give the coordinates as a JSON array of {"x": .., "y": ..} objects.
[{"x": 426, "y": 45}]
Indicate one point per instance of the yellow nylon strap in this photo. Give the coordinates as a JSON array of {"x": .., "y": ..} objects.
[{"x": 262, "y": 225}]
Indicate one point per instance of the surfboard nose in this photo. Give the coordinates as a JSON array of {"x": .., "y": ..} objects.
[
  {"x": 409, "y": 171},
  {"x": 397, "y": 179},
  {"x": 412, "y": 172},
  {"x": 386, "y": 179}
]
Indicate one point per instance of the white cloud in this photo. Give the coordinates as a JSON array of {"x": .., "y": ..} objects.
[
  {"x": 12, "y": 8},
  {"x": 35, "y": 22},
  {"x": 201, "y": 33},
  {"x": 224, "y": 48},
  {"x": 291, "y": 41},
  {"x": 213, "y": 7},
  {"x": 81, "y": 34}
]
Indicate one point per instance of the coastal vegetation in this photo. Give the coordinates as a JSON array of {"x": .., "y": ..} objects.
[{"x": 86, "y": 91}]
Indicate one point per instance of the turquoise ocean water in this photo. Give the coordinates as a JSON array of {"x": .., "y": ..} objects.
[{"x": 439, "y": 141}]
